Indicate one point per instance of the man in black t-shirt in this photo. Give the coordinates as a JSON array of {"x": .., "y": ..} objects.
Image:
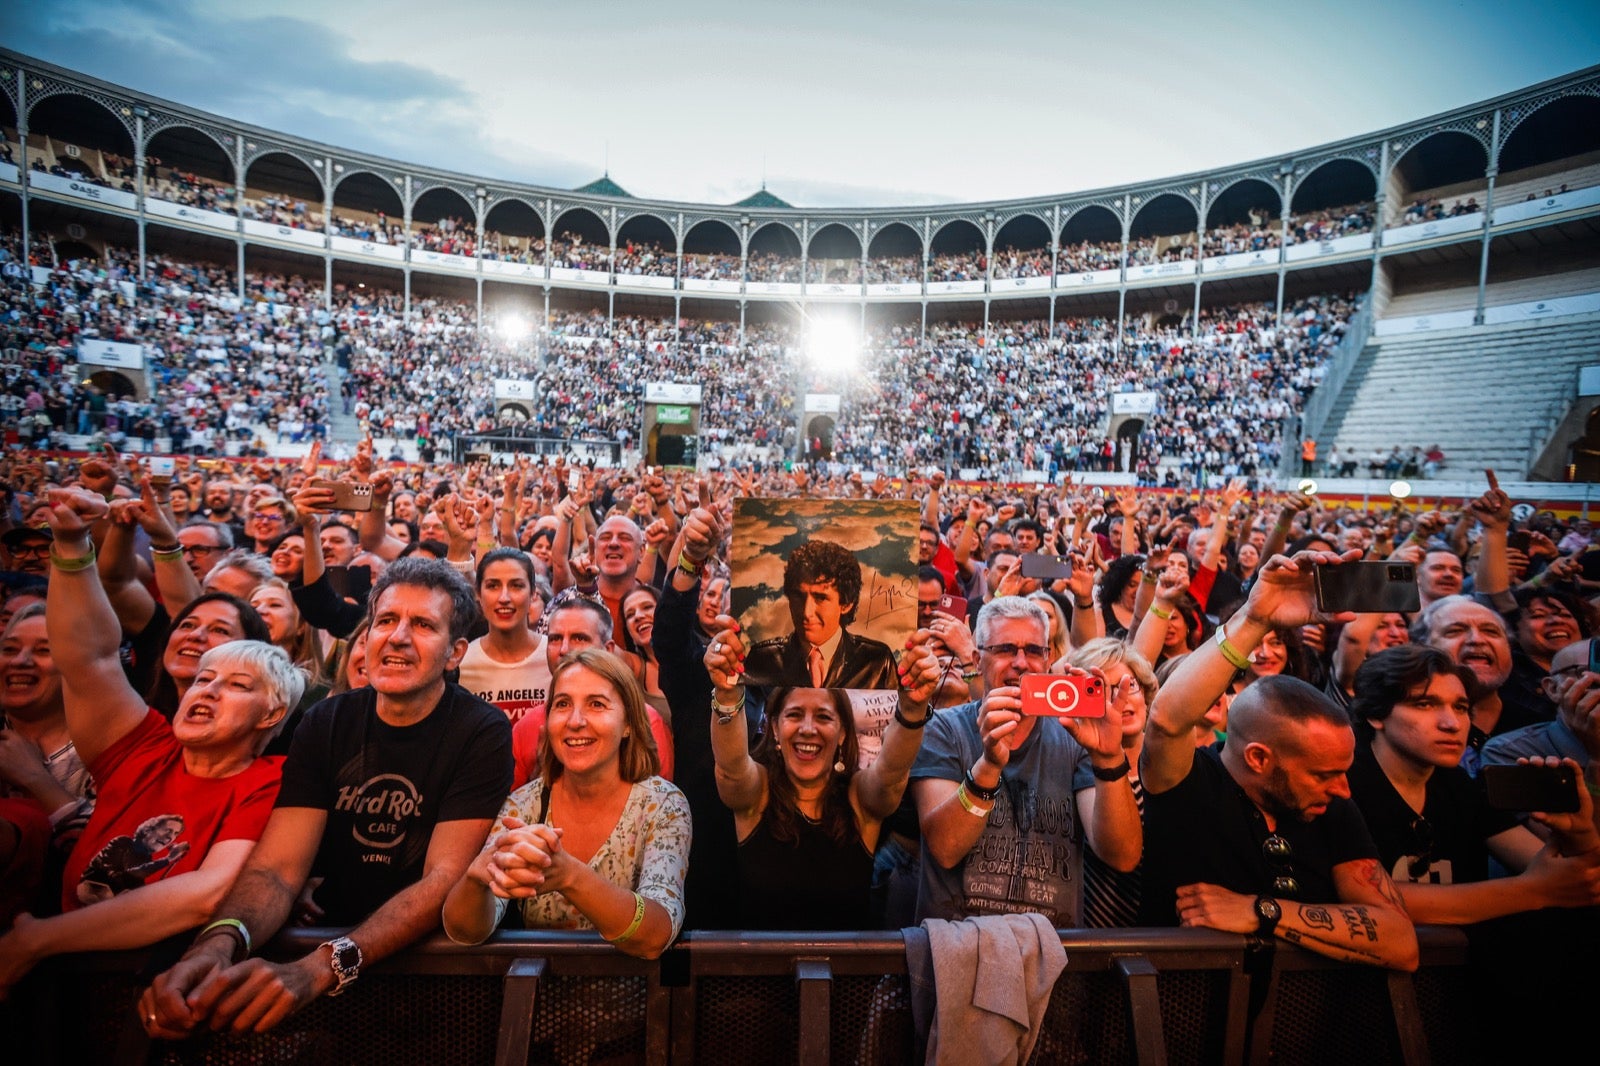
[
  {"x": 1433, "y": 824},
  {"x": 388, "y": 793},
  {"x": 1261, "y": 837}
]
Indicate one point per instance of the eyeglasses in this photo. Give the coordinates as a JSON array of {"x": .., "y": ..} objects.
[
  {"x": 31, "y": 550},
  {"x": 1009, "y": 651},
  {"x": 1280, "y": 854},
  {"x": 190, "y": 549},
  {"x": 1125, "y": 688}
]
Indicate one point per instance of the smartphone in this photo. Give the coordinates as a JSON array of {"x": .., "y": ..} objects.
[
  {"x": 162, "y": 467},
  {"x": 1046, "y": 567},
  {"x": 952, "y": 607},
  {"x": 346, "y": 496},
  {"x": 1551, "y": 789},
  {"x": 353, "y": 582},
  {"x": 1594, "y": 655},
  {"x": 1367, "y": 588},
  {"x": 1063, "y": 696},
  {"x": 1519, "y": 539},
  {"x": 574, "y": 482}
]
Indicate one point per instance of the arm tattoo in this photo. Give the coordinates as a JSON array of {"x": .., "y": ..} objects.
[
  {"x": 1358, "y": 921},
  {"x": 1346, "y": 952},
  {"x": 1316, "y": 917},
  {"x": 1375, "y": 875}
]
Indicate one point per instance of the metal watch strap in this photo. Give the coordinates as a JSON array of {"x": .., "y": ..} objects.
[{"x": 344, "y": 971}]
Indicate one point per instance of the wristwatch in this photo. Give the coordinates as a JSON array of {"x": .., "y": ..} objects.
[
  {"x": 1267, "y": 914},
  {"x": 346, "y": 961}
]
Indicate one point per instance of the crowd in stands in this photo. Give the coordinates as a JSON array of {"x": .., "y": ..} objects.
[
  {"x": 224, "y": 369},
  {"x": 648, "y": 258},
  {"x": 1148, "y": 251},
  {"x": 712, "y": 266},
  {"x": 894, "y": 270},
  {"x": 1332, "y": 223},
  {"x": 770, "y": 267},
  {"x": 228, "y": 371},
  {"x": 1432, "y": 209},
  {"x": 279, "y": 209},
  {"x": 958, "y": 266},
  {"x": 187, "y": 188},
  {"x": 448, "y": 236},
  {"x": 1259, "y": 234},
  {"x": 1022, "y": 263},
  {"x": 550, "y": 650},
  {"x": 1086, "y": 256}
]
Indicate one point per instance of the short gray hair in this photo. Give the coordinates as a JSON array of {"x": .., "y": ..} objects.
[
  {"x": 282, "y": 681},
  {"x": 1008, "y": 607},
  {"x": 1422, "y": 625},
  {"x": 223, "y": 531},
  {"x": 244, "y": 559}
]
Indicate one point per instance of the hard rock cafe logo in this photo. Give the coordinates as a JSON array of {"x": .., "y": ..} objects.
[{"x": 383, "y": 807}]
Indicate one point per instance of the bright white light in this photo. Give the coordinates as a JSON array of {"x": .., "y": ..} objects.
[
  {"x": 514, "y": 328},
  {"x": 1307, "y": 486},
  {"x": 1400, "y": 489},
  {"x": 832, "y": 345}
]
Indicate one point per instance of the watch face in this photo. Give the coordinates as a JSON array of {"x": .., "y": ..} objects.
[
  {"x": 1268, "y": 910},
  {"x": 347, "y": 953}
]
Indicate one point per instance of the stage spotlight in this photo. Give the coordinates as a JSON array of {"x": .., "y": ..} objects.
[
  {"x": 1400, "y": 489},
  {"x": 833, "y": 346},
  {"x": 514, "y": 329}
]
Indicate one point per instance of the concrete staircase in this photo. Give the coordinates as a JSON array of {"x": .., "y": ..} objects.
[
  {"x": 1490, "y": 396},
  {"x": 341, "y": 427}
]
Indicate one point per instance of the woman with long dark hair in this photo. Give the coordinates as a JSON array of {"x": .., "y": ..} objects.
[{"x": 806, "y": 817}]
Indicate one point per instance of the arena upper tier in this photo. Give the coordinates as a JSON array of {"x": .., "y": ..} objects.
[{"x": 1437, "y": 222}]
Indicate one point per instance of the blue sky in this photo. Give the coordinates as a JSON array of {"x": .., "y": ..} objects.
[{"x": 864, "y": 103}]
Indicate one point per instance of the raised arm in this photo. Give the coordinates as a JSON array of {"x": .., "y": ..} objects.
[
  {"x": 879, "y": 788},
  {"x": 1283, "y": 596},
  {"x": 373, "y": 532},
  {"x": 1150, "y": 638},
  {"x": 101, "y": 707},
  {"x": 1492, "y": 572},
  {"x": 119, "y": 572},
  {"x": 174, "y": 580},
  {"x": 741, "y": 781}
]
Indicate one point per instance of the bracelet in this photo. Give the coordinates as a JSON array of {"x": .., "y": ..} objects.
[
  {"x": 169, "y": 554},
  {"x": 967, "y": 804},
  {"x": 1112, "y": 773},
  {"x": 724, "y": 713},
  {"x": 1149, "y": 577},
  {"x": 689, "y": 566},
  {"x": 1082, "y": 606},
  {"x": 650, "y": 549},
  {"x": 900, "y": 717},
  {"x": 232, "y": 927},
  {"x": 978, "y": 791},
  {"x": 1159, "y": 613},
  {"x": 72, "y": 566},
  {"x": 1234, "y": 656},
  {"x": 633, "y": 927}
]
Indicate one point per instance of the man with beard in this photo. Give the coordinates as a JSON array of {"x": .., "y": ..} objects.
[{"x": 1261, "y": 837}]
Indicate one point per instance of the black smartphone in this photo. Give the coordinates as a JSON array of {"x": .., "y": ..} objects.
[
  {"x": 1367, "y": 588},
  {"x": 1551, "y": 789},
  {"x": 1044, "y": 567},
  {"x": 1594, "y": 655},
  {"x": 350, "y": 582}
]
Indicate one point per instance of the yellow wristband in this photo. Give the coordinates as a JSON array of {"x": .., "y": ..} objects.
[
  {"x": 1234, "y": 656},
  {"x": 1159, "y": 613},
  {"x": 633, "y": 927},
  {"x": 967, "y": 804}
]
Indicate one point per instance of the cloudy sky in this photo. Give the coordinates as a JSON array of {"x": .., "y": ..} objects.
[{"x": 868, "y": 102}]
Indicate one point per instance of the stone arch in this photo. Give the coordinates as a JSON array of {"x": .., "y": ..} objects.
[
  {"x": 774, "y": 254},
  {"x": 84, "y": 136},
  {"x": 363, "y": 202},
  {"x": 834, "y": 255},
  {"x": 513, "y": 230}
]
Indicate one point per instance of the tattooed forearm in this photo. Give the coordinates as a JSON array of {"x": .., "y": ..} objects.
[
  {"x": 1316, "y": 917},
  {"x": 1330, "y": 948},
  {"x": 1376, "y": 876}
]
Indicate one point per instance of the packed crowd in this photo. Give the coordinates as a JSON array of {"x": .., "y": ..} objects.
[
  {"x": 223, "y": 369},
  {"x": 1148, "y": 251},
  {"x": 187, "y": 188},
  {"x": 1332, "y": 223},
  {"x": 533, "y": 678},
  {"x": 1259, "y": 234},
  {"x": 228, "y": 370}
]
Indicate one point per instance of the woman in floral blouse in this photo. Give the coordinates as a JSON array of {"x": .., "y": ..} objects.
[{"x": 598, "y": 840}]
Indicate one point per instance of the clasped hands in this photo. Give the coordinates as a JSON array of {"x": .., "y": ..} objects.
[{"x": 522, "y": 861}]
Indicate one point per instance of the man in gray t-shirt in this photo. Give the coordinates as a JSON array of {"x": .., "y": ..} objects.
[{"x": 994, "y": 789}]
